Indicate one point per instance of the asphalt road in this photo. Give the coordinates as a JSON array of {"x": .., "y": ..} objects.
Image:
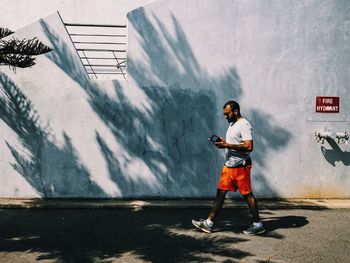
[{"x": 166, "y": 235}]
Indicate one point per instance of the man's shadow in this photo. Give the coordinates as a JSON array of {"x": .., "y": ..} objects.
[
  {"x": 274, "y": 223},
  {"x": 239, "y": 223}
]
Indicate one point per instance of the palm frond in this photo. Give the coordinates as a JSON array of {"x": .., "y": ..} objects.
[
  {"x": 4, "y": 32},
  {"x": 32, "y": 47},
  {"x": 17, "y": 60}
]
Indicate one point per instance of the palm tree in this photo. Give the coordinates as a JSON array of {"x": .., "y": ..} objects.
[{"x": 19, "y": 53}]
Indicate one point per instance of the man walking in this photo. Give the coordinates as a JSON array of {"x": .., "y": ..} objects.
[{"x": 236, "y": 170}]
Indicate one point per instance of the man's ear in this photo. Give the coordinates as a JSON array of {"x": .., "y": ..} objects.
[{"x": 235, "y": 112}]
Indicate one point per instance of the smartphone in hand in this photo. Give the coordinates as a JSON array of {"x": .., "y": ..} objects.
[{"x": 214, "y": 138}]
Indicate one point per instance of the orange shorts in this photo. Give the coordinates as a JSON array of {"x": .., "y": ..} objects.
[{"x": 236, "y": 178}]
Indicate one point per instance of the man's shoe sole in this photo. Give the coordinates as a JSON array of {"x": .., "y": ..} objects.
[
  {"x": 203, "y": 229},
  {"x": 254, "y": 234}
]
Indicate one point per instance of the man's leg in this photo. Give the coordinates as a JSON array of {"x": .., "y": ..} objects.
[
  {"x": 206, "y": 224},
  {"x": 257, "y": 227},
  {"x": 253, "y": 206},
  {"x": 224, "y": 183},
  {"x": 218, "y": 203}
]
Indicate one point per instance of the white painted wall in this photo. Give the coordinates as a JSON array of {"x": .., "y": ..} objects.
[
  {"x": 147, "y": 137},
  {"x": 18, "y": 13}
]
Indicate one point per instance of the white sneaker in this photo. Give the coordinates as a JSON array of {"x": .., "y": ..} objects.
[
  {"x": 254, "y": 230},
  {"x": 202, "y": 225}
]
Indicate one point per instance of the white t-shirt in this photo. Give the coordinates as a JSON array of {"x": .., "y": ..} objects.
[{"x": 237, "y": 132}]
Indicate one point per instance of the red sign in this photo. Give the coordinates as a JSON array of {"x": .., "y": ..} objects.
[{"x": 327, "y": 104}]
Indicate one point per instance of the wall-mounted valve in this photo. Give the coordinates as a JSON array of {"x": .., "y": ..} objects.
[
  {"x": 342, "y": 137},
  {"x": 321, "y": 136}
]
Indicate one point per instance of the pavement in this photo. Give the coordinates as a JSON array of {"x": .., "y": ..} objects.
[{"x": 56, "y": 230}]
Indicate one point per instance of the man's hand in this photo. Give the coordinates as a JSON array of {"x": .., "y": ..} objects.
[
  {"x": 246, "y": 146},
  {"x": 221, "y": 144}
]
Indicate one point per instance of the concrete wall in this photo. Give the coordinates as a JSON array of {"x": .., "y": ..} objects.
[{"x": 63, "y": 135}]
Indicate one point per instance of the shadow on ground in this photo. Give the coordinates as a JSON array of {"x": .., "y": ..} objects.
[{"x": 155, "y": 235}]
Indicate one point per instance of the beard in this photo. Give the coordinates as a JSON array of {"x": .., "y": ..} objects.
[{"x": 229, "y": 120}]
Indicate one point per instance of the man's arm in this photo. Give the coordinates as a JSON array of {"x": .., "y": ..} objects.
[{"x": 246, "y": 146}]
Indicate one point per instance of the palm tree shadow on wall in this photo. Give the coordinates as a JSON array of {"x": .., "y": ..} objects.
[
  {"x": 162, "y": 137},
  {"x": 170, "y": 137},
  {"x": 46, "y": 166},
  {"x": 268, "y": 137}
]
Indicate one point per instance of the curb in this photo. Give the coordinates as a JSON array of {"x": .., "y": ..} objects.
[{"x": 272, "y": 204}]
